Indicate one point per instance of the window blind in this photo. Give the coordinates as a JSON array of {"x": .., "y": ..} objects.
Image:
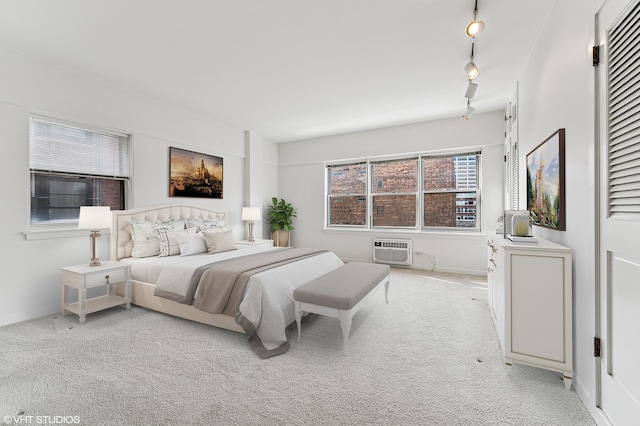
[
  {"x": 393, "y": 160},
  {"x": 624, "y": 118},
  {"x": 57, "y": 147}
]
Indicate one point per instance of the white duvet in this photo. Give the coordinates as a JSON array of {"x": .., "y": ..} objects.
[{"x": 268, "y": 301}]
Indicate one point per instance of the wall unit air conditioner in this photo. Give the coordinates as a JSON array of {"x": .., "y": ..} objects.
[{"x": 392, "y": 252}]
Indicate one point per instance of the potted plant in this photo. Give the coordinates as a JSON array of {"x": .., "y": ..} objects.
[{"x": 280, "y": 214}]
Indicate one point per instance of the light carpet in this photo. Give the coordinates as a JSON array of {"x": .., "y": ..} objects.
[{"x": 428, "y": 357}]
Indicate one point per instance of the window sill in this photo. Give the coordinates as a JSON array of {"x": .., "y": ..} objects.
[
  {"x": 51, "y": 233},
  {"x": 413, "y": 232}
]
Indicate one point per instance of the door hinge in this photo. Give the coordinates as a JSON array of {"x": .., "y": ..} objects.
[
  {"x": 505, "y": 158},
  {"x": 596, "y": 347},
  {"x": 595, "y": 55}
]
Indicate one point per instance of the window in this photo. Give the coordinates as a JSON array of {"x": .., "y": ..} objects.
[
  {"x": 348, "y": 194},
  {"x": 425, "y": 192},
  {"x": 394, "y": 197},
  {"x": 450, "y": 191},
  {"x": 72, "y": 167}
]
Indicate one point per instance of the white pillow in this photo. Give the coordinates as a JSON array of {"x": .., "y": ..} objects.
[
  {"x": 191, "y": 243},
  {"x": 219, "y": 241},
  {"x": 145, "y": 240}
]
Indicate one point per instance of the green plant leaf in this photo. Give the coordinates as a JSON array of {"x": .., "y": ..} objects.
[{"x": 280, "y": 214}]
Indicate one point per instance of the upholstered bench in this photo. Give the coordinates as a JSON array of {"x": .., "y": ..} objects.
[{"x": 340, "y": 293}]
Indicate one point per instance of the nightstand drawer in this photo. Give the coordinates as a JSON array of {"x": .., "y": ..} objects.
[{"x": 94, "y": 279}]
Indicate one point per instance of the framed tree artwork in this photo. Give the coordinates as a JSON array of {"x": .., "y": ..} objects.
[
  {"x": 193, "y": 174},
  {"x": 545, "y": 183}
]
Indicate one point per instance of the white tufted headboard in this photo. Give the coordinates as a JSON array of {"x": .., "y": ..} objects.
[{"x": 121, "y": 244}]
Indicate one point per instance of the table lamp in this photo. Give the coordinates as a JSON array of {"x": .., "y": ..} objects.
[
  {"x": 251, "y": 214},
  {"x": 94, "y": 218}
]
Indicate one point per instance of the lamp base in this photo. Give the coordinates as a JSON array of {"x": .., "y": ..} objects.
[
  {"x": 93, "y": 237},
  {"x": 251, "y": 239}
]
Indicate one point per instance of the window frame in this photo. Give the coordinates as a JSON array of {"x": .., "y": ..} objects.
[
  {"x": 54, "y": 227},
  {"x": 329, "y": 196},
  {"x": 420, "y": 193},
  {"x": 477, "y": 227},
  {"x": 373, "y": 195}
]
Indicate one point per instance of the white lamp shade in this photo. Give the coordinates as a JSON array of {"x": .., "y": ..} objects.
[
  {"x": 94, "y": 217},
  {"x": 251, "y": 213}
]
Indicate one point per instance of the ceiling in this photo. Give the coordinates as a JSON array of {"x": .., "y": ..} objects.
[{"x": 288, "y": 69}]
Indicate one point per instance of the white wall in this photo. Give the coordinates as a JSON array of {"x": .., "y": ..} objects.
[
  {"x": 557, "y": 91},
  {"x": 302, "y": 183},
  {"x": 31, "y": 267},
  {"x": 261, "y": 160}
]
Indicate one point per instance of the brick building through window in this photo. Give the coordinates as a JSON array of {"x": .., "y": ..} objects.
[{"x": 389, "y": 190}]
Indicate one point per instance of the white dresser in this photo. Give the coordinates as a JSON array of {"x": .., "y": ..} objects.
[{"x": 530, "y": 297}]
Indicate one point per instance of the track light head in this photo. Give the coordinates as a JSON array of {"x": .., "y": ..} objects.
[
  {"x": 469, "y": 112},
  {"x": 471, "y": 90},
  {"x": 474, "y": 28},
  {"x": 472, "y": 70}
]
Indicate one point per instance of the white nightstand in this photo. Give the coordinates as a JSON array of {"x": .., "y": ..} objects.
[
  {"x": 245, "y": 244},
  {"x": 82, "y": 277}
]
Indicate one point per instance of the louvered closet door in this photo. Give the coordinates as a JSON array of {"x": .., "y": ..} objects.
[
  {"x": 511, "y": 154},
  {"x": 619, "y": 216}
]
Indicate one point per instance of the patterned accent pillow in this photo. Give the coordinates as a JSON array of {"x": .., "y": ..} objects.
[
  {"x": 145, "y": 240},
  {"x": 146, "y": 237},
  {"x": 169, "y": 245},
  {"x": 203, "y": 225}
]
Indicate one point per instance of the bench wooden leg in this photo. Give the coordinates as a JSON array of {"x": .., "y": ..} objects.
[
  {"x": 346, "y": 318},
  {"x": 298, "y": 318}
]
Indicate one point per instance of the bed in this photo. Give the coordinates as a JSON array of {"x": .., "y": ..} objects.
[{"x": 265, "y": 305}]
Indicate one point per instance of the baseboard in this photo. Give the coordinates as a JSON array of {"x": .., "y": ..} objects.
[
  {"x": 586, "y": 397},
  {"x": 480, "y": 273}
]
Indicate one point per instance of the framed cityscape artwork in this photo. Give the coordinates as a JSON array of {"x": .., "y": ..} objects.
[
  {"x": 545, "y": 183},
  {"x": 192, "y": 174}
]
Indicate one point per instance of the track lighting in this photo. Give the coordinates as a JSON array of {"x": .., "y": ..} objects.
[
  {"x": 474, "y": 27},
  {"x": 471, "y": 90},
  {"x": 469, "y": 112},
  {"x": 472, "y": 70}
]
